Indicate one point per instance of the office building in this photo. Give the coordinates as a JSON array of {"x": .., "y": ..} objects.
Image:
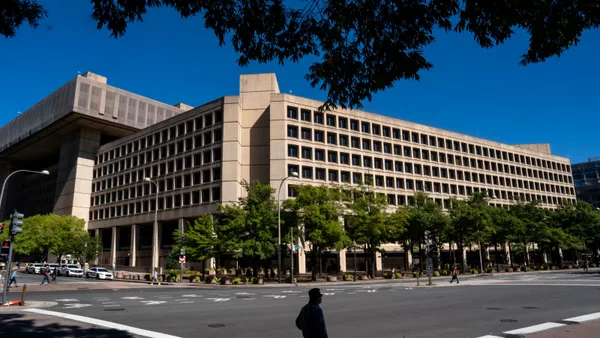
[
  {"x": 586, "y": 177},
  {"x": 110, "y": 141}
]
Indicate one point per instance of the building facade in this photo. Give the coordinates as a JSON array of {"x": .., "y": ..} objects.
[
  {"x": 586, "y": 178},
  {"x": 174, "y": 168}
]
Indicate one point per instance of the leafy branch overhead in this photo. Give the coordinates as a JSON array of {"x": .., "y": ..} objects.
[{"x": 362, "y": 47}]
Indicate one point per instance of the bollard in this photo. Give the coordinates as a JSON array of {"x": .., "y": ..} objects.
[{"x": 23, "y": 295}]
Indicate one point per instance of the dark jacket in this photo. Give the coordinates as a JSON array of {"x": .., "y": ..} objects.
[{"x": 311, "y": 321}]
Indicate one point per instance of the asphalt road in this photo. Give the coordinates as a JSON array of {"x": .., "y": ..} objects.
[{"x": 472, "y": 309}]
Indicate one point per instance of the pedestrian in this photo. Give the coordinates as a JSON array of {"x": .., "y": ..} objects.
[
  {"x": 18, "y": 265},
  {"x": 155, "y": 277},
  {"x": 53, "y": 274},
  {"x": 454, "y": 274},
  {"x": 46, "y": 274},
  {"x": 310, "y": 320},
  {"x": 13, "y": 278}
]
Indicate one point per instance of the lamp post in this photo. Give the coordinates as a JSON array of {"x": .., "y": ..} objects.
[
  {"x": 292, "y": 174},
  {"x": 154, "y": 227},
  {"x": 354, "y": 247},
  {"x": 84, "y": 256},
  {"x": 12, "y": 235}
]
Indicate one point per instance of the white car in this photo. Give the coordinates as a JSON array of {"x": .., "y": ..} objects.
[
  {"x": 99, "y": 273},
  {"x": 71, "y": 270},
  {"x": 35, "y": 268}
]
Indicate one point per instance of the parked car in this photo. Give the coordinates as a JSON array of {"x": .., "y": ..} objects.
[
  {"x": 99, "y": 273},
  {"x": 35, "y": 268},
  {"x": 70, "y": 270}
]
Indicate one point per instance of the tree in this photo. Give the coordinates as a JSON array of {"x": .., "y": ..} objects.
[
  {"x": 369, "y": 224},
  {"x": 203, "y": 241},
  {"x": 66, "y": 232},
  {"x": 79, "y": 249},
  {"x": 364, "y": 46},
  {"x": 318, "y": 216}
]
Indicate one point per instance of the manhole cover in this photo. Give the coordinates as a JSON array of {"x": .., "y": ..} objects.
[
  {"x": 116, "y": 309},
  {"x": 493, "y": 308},
  {"x": 508, "y": 320},
  {"x": 214, "y": 326},
  {"x": 530, "y": 307}
]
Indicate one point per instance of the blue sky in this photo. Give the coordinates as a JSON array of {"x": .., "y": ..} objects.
[{"x": 470, "y": 90}]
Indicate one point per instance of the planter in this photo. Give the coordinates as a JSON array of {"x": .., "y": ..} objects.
[
  {"x": 332, "y": 278},
  {"x": 516, "y": 269},
  {"x": 348, "y": 277},
  {"x": 259, "y": 280},
  {"x": 210, "y": 280},
  {"x": 225, "y": 281},
  {"x": 364, "y": 277},
  {"x": 388, "y": 276}
]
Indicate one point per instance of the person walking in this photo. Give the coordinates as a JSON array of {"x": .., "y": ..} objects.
[
  {"x": 454, "y": 274},
  {"x": 155, "y": 277},
  {"x": 13, "y": 278},
  {"x": 53, "y": 275},
  {"x": 46, "y": 274},
  {"x": 311, "y": 320}
]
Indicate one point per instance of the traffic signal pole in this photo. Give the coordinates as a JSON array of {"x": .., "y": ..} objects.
[{"x": 8, "y": 268}]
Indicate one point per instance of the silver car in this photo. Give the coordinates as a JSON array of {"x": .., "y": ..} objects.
[{"x": 99, "y": 273}]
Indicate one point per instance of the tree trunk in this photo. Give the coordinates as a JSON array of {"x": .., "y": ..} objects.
[
  {"x": 463, "y": 258},
  {"x": 496, "y": 256},
  {"x": 510, "y": 255}
]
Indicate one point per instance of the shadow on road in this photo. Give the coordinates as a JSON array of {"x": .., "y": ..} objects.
[{"x": 19, "y": 325}]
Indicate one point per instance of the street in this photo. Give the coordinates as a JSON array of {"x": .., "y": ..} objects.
[{"x": 476, "y": 307}]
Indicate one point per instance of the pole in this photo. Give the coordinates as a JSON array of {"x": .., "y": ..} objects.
[
  {"x": 292, "y": 240},
  {"x": 481, "y": 258},
  {"x": 84, "y": 256},
  {"x": 355, "y": 265},
  {"x": 8, "y": 268},
  {"x": 279, "y": 231}
]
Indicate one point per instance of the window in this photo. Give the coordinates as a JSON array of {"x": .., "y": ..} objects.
[
  {"x": 376, "y": 129},
  {"x": 386, "y": 132},
  {"x": 320, "y": 174},
  {"x": 344, "y": 140},
  {"x": 367, "y": 162},
  {"x": 344, "y": 158},
  {"x": 306, "y": 134},
  {"x": 292, "y": 131},
  {"x": 292, "y": 113},
  {"x": 377, "y": 146},
  {"x": 292, "y": 151},
  {"x": 365, "y": 127},
  {"x": 387, "y": 148},
  {"x": 355, "y": 142},
  {"x": 345, "y": 177},
  {"x": 305, "y": 115},
  {"x": 307, "y": 172},
  {"x": 331, "y": 138},
  {"x": 378, "y": 163},
  {"x": 319, "y": 155},
  {"x": 366, "y": 144},
  {"x": 332, "y": 156},
  {"x": 331, "y": 120},
  {"x": 388, "y": 165},
  {"x": 319, "y": 136},
  {"x": 307, "y": 153},
  {"x": 318, "y": 118},
  {"x": 333, "y": 175},
  {"x": 356, "y": 160},
  {"x": 293, "y": 169},
  {"x": 354, "y": 125},
  {"x": 396, "y": 133},
  {"x": 342, "y": 123}
]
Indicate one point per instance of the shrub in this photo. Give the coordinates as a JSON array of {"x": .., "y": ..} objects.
[
  {"x": 436, "y": 274},
  {"x": 444, "y": 272},
  {"x": 474, "y": 271},
  {"x": 592, "y": 265},
  {"x": 415, "y": 274},
  {"x": 398, "y": 275}
]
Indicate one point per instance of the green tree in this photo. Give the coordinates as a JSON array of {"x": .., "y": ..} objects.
[
  {"x": 66, "y": 232},
  {"x": 532, "y": 225},
  {"x": 318, "y": 213},
  {"x": 203, "y": 240},
  {"x": 369, "y": 224},
  {"x": 361, "y": 47},
  {"x": 79, "y": 250}
]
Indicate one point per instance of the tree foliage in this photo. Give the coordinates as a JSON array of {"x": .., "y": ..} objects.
[{"x": 361, "y": 47}]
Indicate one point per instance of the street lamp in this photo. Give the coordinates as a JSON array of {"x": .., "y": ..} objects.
[
  {"x": 354, "y": 247},
  {"x": 155, "y": 227},
  {"x": 293, "y": 174},
  {"x": 43, "y": 172},
  {"x": 85, "y": 256}
]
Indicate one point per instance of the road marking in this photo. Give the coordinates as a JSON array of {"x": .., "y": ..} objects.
[
  {"x": 584, "y": 318},
  {"x": 66, "y": 300},
  {"x": 218, "y": 299},
  {"x": 535, "y": 328},
  {"x": 133, "y": 330},
  {"x": 109, "y": 302},
  {"x": 75, "y": 306},
  {"x": 111, "y": 305},
  {"x": 329, "y": 294},
  {"x": 181, "y": 300},
  {"x": 243, "y": 293},
  {"x": 275, "y": 296},
  {"x": 303, "y": 296},
  {"x": 249, "y": 298},
  {"x": 164, "y": 297},
  {"x": 187, "y": 302},
  {"x": 192, "y": 296},
  {"x": 489, "y": 336},
  {"x": 153, "y": 302},
  {"x": 132, "y": 298}
]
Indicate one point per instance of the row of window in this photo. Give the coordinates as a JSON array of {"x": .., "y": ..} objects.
[
  {"x": 200, "y": 159},
  {"x": 180, "y": 200},
  {"x": 199, "y": 123},
  {"x": 144, "y": 189},
  {"x": 332, "y": 120},
  {"x": 332, "y": 156},
  {"x": 337, "y": 176}
]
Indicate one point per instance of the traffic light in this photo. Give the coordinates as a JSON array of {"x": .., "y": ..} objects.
[
  {"x": 427, "y": 236},
  {"x": 4, "y": 250},
  {"x": 16, "y": 221},
  {"x": 183, "y": 239},
  {"x": 1, "y": 228}
]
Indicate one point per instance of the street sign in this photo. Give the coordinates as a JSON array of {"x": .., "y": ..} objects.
[{"x": 182, "y": 259}]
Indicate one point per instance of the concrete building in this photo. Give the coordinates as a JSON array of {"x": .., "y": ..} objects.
[
  {"x": 586, "y": 177},
  {"x": 108, "y": 141}
]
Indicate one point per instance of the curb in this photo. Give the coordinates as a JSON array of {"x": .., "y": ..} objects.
[{"x": 32, "y": 304}]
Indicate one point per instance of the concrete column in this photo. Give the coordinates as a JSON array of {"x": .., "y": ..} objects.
[
  {"x": 378, "y": 263},
  {"x": 133, "y": 245},
  {"x": 97, "y": 235},
  {"x": 75, "y": 171},
  {"x": 507, "y": 253},
  {"x": 544, "y": 257},
  {"x": 342, "y": 260},
  {"x": 155, "y": 246},
  {"x": 113, "y": 245},
  {"x": 301, "y": 258},
  {"x": 408, "y": 259}
]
